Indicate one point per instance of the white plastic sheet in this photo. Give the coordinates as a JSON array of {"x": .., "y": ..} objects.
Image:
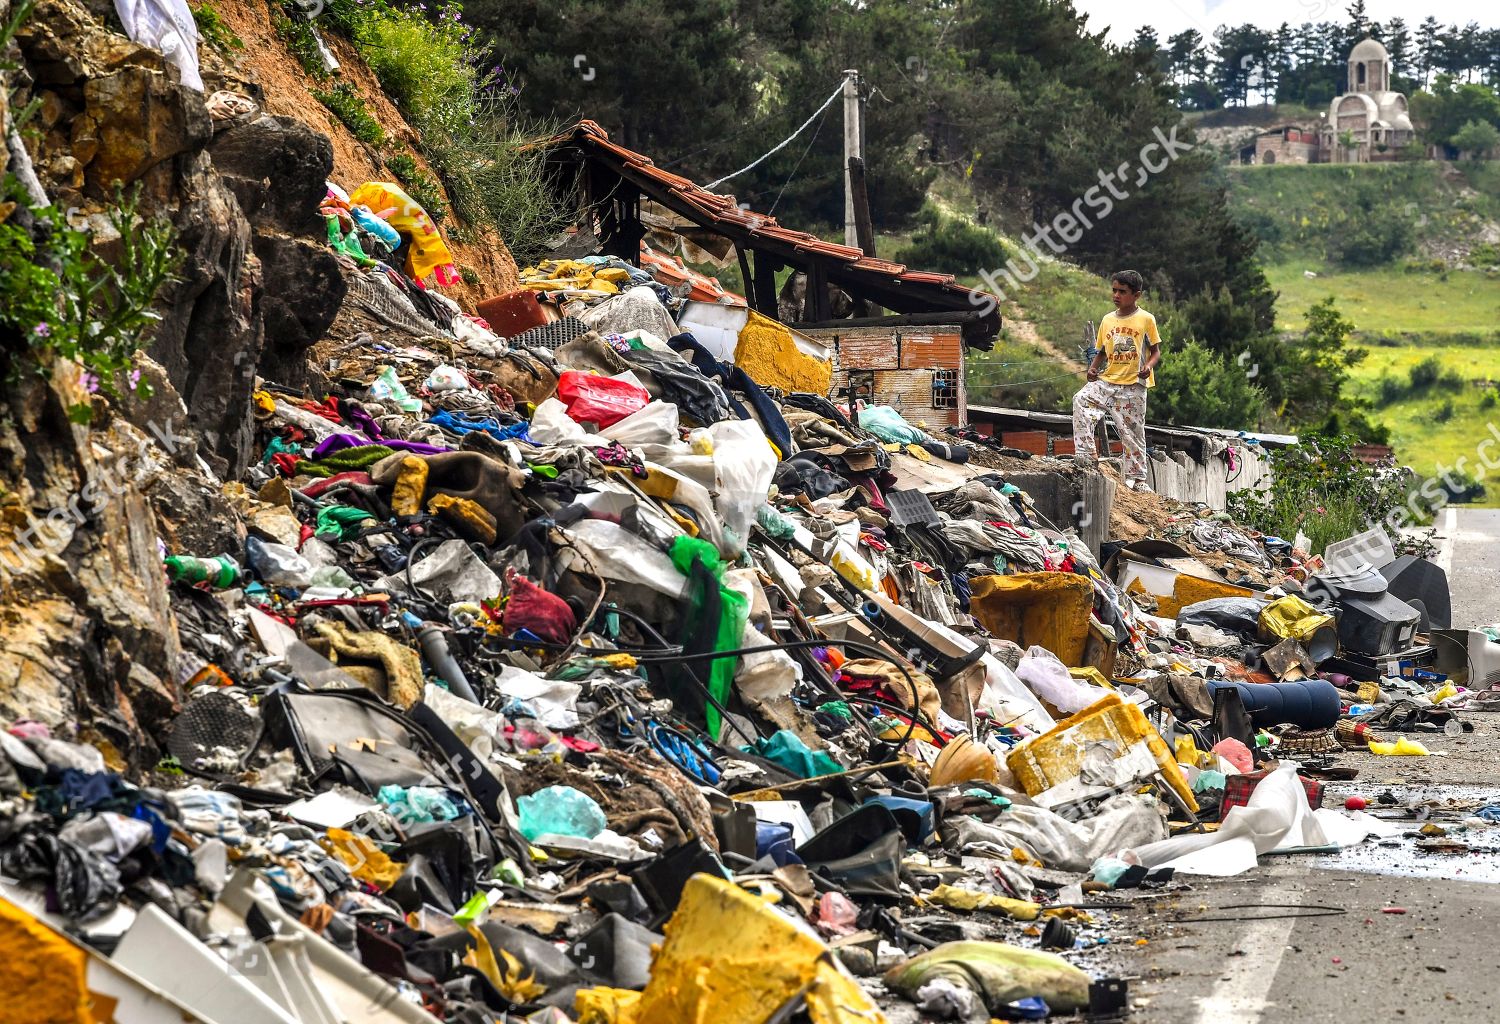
[
  {"x": 1276, "y": 817},
  {"x": 1048, "y": 678}
]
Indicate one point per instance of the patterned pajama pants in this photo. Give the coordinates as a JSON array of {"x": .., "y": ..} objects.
[{"x": 1125, "y": 405}]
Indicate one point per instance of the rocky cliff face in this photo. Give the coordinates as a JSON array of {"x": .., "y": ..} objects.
[{"x": 89, "y": 636}]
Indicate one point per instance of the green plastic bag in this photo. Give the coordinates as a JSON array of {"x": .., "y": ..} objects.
[{"x": 733, "y": 612}]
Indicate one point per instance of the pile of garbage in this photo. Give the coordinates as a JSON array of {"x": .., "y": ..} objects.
[{"x": 570, "y": 672}]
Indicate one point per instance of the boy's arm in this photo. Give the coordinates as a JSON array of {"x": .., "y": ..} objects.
[
  {"x": 1150, "y": 357},
  {"x": 1096, "y": 365}
]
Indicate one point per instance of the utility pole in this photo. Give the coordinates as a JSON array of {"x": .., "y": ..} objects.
[{"x": 854, "y": 148}]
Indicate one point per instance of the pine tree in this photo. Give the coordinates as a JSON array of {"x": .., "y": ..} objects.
[
  {"x": 1398, "y": 45},
  {"x": 1428, "y": 48}
]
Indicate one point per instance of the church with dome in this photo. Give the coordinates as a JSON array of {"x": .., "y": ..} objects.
[{"x": 1365, "y": 124}]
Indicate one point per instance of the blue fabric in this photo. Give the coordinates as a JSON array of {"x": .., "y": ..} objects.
[
  {"x": 735, "y": 379},
  {"x": 463, "y": 423}
]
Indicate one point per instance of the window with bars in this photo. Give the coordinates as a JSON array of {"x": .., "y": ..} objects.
[{"x": 945, "y": 389}]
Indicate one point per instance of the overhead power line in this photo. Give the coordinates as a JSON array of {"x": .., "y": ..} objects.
[{"x": 783, "y": 143}]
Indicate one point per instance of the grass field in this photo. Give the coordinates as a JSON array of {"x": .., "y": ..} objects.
[{"x": 1463, "y": 305}]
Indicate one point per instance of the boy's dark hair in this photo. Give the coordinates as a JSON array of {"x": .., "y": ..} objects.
[{"x": 1130, "y": 279}]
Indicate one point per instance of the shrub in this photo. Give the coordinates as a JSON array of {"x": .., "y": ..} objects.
[
  {"x": 1444, "y": 412},
  {"x": 1323, "y": 489},
  {"x": 1487, "y": 400},
  {"x": 952, "y": 246},
  {"x": 1389, "y": 390},
  {"x": 215, "y": 30},
  {"x": 1426, "y": 373},
  {"x": 475, "y": 141},
  {"x": 296, "y": 31},
  {"x": 426, "y": 66},
  {"x": 1451, "y": 380},
  {"x": 493, "y": 178},
  {"x": 63, "y": 302},
  {"x": 349, "y": 107}
]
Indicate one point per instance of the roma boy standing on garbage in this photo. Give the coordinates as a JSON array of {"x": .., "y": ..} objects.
[{"x": 1119, "y": 374}]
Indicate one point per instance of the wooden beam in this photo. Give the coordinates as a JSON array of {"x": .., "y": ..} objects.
[{"x": 764, "y": 300}]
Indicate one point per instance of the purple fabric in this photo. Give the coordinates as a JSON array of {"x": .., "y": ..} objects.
[
  {"x": 338, "y": 442},
  {"x": 366, "y": 424}
]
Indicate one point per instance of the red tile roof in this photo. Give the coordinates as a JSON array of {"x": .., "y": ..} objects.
[{"x": 890, "y": 284}]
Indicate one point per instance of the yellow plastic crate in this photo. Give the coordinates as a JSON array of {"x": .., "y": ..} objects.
[{"x": 1057, "y": 755}]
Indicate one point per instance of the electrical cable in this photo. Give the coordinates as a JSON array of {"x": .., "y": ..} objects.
[
  {"x": 780, "y": 145},
  {"x": 798, "y": 165}
]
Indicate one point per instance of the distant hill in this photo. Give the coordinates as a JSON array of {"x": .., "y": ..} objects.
[{"x": 1299, "y": 210}]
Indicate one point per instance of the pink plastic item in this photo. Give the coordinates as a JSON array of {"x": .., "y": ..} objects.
[
  {"x": 1236, "y": 753},
  {"x": 836, "y": 914}
]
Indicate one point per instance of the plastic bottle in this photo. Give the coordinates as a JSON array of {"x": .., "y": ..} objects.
[
  {"x": 1454, "y": 727},
  {"x": 219, "y": 572}
]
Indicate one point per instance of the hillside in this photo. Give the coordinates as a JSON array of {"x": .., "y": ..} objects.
[
  {"x": 1426, "y": 288},
  {"x": 1448, "y": 209},
  {"x": 266, "y": 62}
]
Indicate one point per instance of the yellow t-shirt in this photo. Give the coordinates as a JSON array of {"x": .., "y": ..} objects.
[{"x": 1120, "y": 339}]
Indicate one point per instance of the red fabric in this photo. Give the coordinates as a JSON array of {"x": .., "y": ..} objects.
[
  {"x": 328, "y": 409},
  {"x": 605, "y": 401},
  {"x": 317, "y": 487},
  {"x": 286, "y": 463},
  {"x": 1237, "y": 790},
  {"x": 531, "y": 607}
]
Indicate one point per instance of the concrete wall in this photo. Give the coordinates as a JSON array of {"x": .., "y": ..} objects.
[{"x": 1211, "y": 482}]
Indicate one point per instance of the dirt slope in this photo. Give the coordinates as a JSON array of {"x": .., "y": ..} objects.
[{"x": 287, "y": 89}]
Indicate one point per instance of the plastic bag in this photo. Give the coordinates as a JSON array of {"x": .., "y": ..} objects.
[
  {"x": 446, "y": 378},
  {"x": 387, "y": 385},
  {"x": 276, "y": 564},
  {"x": 888, "y": 425},
  {"x": 656, "y": 423},
  {"x": 366, "y": 219},
  {"x": 744, "y": 466},
  {"x": 560, "y": 810},
  {"x": 1048, "y": 678},
  {"x": 603, "y": 401}
]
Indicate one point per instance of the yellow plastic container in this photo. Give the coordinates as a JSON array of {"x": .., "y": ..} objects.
[
  {"x": 1057, "y": 756},
  {"x": 1048, "y": 609}
]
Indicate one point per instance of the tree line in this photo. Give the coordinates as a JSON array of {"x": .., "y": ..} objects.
[{"x": 1307, "y": 64}]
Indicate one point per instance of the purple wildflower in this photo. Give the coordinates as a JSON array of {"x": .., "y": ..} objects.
[
  {"x": 88, "y": 382},
  {"x": 42, "y": 330},
  {"x": 134, "y": 376}
]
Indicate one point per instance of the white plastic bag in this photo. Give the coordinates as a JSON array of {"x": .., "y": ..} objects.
[
  {"x": 551, "y": 424},
  {"x": 744, "y": 466},
  {"x": 1048, "y": 678},
  {"x": 656, "y": 423},
  {"x": 446, "y": 378}
]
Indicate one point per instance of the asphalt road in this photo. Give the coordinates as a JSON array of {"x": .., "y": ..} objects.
[
  {"x": 1437, "y": 962},
  {"x": 1471, "y": 557}
]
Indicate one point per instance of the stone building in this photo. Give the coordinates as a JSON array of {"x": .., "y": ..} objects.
[
  {"x": 1369, "y": 122},
  {"x": 1365, "y": 124}
]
